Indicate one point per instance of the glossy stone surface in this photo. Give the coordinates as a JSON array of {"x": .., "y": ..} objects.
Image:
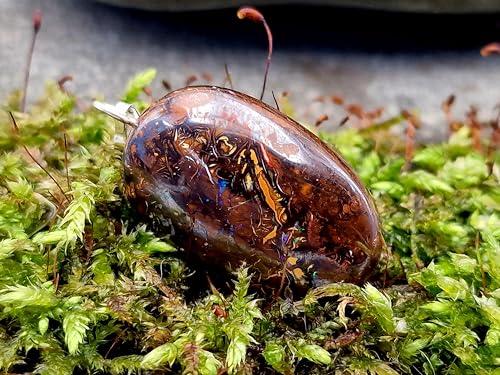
[{"x": 233, "y": 180}]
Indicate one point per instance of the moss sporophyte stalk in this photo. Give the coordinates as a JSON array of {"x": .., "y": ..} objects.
[{"x": 86, "y": 287}]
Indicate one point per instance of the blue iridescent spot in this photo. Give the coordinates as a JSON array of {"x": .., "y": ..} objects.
[{"x": 222, "y": 187}]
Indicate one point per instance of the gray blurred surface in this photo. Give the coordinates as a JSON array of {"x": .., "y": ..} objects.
[
  {"x": 379, "y": 62},
  {"x": 439, "y": 6}
]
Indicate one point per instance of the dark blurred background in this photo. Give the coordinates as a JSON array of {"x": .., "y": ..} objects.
[{"x": 373, "y": 57}]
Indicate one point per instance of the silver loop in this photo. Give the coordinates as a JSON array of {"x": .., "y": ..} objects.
[{"x": 121, "y": 111}]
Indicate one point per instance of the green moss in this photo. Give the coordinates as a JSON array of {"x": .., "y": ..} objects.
[{"x": 85, "y": 289}]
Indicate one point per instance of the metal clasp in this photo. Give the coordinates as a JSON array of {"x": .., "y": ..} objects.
[{"x": 121, "y": 111}]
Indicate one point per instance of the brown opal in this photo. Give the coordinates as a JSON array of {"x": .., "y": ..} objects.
[{"x": 233, "y": 180}]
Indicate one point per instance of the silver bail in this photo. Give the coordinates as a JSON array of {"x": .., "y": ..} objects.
[{"x": 121, "y": 111}]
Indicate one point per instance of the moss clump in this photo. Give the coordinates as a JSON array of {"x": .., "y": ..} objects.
[{"x": 85, "y": 289}]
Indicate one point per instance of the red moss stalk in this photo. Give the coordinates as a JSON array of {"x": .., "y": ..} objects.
[
  {"x": 413, "y": 124},
  {"x": 254, "y": 15},
  {"x": 16, "y": 129},
  {"x": 446, "y": 106},
  {"x": 37, "y": 24},
  {"x": 475, "y": 128}
]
